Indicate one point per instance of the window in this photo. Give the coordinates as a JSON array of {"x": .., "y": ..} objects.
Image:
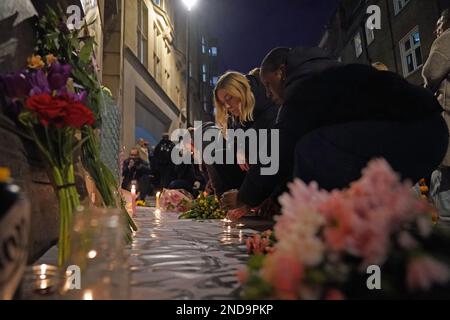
[
  {"x": 204, "y": 50},
  {"x": 214, "y": 51},
  {"x": 142, "y": 33},
  {"x": 370, "y": 35},
  {"x": 204, "y": 73},
  {"x": 358, "y": 45},
  {"x": 399, "y": 5},
  {"x": 157, "y": 2},
  {"x": 411, "y": 52}
]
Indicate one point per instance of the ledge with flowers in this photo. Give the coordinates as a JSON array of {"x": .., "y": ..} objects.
[{"x": 58, "y": 101}]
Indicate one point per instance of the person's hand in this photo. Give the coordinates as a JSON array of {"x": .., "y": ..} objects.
[
  {"x": 229, "y": 200},
  {"x": 242, "y": 161},
  {"x": 238, "y": 213}
]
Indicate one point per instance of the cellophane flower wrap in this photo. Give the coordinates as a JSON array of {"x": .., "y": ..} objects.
[
  {"x": 328, "y": 244},
  {"x": 175, "y": 200}
]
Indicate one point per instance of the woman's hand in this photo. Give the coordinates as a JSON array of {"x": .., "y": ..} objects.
[
  {"x": 242, "y": 161},
  {"x": 236, "y": 214}
]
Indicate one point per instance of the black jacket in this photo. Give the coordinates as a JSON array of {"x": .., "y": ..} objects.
[
  {"x": 139, "y": 169},
  {"x": 321, "y": 92},
  {"x": 224, "y": 177},
  {"x": 264, "y": 112}
]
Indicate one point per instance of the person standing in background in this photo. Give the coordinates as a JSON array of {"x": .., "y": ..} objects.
[
  {"x": 163, "y": 160},
  {"x": 142, "y": 147},
  {"x": 436, "y": 73}
]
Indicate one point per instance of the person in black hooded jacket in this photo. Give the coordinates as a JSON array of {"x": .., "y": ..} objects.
[{"x": 336, "y": 117}]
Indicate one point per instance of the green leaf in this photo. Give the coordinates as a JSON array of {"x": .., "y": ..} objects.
[{"x": 86, "y": 51}]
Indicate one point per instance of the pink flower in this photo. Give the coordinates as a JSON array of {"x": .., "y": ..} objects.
[
  {"x": 257, "y": 244},
  {"x": 242, "y": 275},
  {"x": 285, "y": 274},
  {"x": 341, "y": 220},
  {"x": 423, "y": 272}
]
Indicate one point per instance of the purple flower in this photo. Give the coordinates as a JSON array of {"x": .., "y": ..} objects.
[
  {"x": 39, "y": 83},
  {"x": 58, "y": 75},
  {"x": 15, "y": 85}
]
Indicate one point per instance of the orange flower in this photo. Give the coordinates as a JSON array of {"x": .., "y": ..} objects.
[
  {"x": 35, "y": 62},
  {"x": 51, "y": 59}
]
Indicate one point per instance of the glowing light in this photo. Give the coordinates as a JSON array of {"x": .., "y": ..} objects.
[
  {"x": 189, "y": 4},
  {"x": 43, "y": 268},
  {"x": 88, "y": 295},
  {"x": 158, "y": 195},
  {"x": 92, "y": 254}
]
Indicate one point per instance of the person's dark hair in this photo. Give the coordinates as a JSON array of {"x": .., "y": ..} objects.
[
  {"x": 446, "y": 16},
  {"x": 274, "y": 59}
]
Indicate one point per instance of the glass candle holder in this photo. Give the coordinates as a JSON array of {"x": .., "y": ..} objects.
[
  {"x": 98, "y": 249},
  {"x": 41, "y": 282}
]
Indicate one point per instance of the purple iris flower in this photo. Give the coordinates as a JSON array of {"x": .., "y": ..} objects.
[
  {"x": 39, "y": 83},
  {"x": 58, "y": 75}
]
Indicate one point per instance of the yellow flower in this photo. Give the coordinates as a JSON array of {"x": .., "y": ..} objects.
[
  {"x": 140, "y": 203},
  {"x": 35, "y": 62},
  {"x": 51, "y": 59}
]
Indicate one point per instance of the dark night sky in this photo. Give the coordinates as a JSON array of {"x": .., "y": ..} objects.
[{"x": 248, "y": 29}]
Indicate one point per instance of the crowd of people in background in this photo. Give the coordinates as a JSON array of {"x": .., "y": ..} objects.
[{"x": 332, "y": 117}]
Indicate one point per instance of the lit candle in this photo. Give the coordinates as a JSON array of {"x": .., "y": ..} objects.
[
  {"x": 88, "y": 295},
  {"x": 133, "y": 198},
  {"x": 158, "y": 195}
]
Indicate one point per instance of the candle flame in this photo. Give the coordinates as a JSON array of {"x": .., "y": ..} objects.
[{"x": 88, "y": 295}]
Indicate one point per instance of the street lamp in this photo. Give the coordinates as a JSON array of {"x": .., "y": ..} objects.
[{"x": 189, "y": 5}]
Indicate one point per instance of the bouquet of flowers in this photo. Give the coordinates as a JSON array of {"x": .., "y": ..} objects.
[
  {"x": 328, "y": 244},
  {"x": 175, "y": 200},
  {"x": 44, "y": 98},
  {"x": 204, "y": 207}
]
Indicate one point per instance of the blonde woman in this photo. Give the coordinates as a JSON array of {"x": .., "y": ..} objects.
[
  {"x": 241, "y": 102},
  {"x": 242, "y": 98}
]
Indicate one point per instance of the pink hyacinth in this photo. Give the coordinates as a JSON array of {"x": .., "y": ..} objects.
[{"x": 423, "y": 272}]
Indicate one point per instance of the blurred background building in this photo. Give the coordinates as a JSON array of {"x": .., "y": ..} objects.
[{"x": 403, "y": 42}]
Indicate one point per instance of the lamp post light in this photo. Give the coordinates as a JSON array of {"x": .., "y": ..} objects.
[{"x": 189, "y": 5}]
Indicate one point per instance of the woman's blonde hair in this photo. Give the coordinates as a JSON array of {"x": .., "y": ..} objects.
[{"x": 236, "y": 85}]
